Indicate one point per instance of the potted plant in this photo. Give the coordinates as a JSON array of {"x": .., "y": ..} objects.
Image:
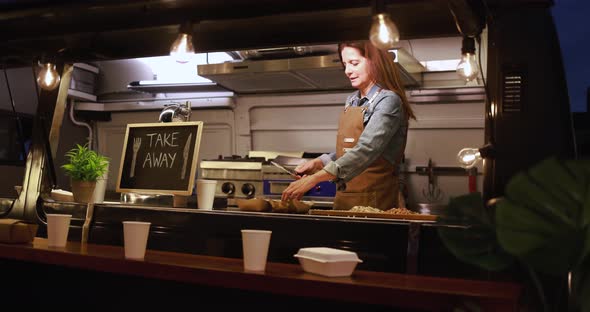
[
  {"x": 539, "y": 230},
  {"x": 84, "y": 168}
]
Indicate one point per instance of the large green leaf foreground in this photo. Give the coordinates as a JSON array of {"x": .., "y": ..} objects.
[
  {"x": 544, "y": 216},
  {"x": 542, "y": 221}
]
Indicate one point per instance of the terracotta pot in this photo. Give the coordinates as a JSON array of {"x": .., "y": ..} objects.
[{"x": 83, "y": 191}]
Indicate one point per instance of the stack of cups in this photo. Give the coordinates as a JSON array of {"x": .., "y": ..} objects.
[
  {"x": 135, "y": 235},
  {"x": 255, "y": 245},
  {"x": 58, "y": 226}
]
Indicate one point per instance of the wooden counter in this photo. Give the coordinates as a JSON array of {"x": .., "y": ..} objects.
[
  {"x": 363, "y": 287},
  {"x": 385, "y": 245}
]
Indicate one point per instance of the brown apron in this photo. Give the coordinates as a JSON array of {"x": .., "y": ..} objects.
[{"x": 378, "y": 185}]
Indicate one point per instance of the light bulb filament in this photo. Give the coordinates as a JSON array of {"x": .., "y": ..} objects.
[
  {"x": 182, "y": 49},
  {"x": 48, "y": 78},
  {"x": 468, "y": 157},
  {"x": 467, "y": 67},
  {"x": 384, "y": 33}
]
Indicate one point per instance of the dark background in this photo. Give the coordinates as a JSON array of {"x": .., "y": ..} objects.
[{"x": 572, "y": 20}]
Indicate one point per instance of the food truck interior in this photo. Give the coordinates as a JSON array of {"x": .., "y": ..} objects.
[{"x": 277, "y": 88}]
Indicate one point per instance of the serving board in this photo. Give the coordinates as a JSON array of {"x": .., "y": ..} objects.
[{"x": 382, "y": 215}]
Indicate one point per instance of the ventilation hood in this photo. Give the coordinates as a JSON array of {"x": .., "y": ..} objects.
[{"x": 296, "y": 74}]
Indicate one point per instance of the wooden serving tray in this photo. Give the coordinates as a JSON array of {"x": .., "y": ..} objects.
[{"x": 382, "y": 215}]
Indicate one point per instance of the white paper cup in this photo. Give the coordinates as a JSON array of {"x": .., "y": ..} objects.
[
  {"x": 255, "y": 249},
  {"x": 135, "y": 234},
  {"x": 101, "y": 186},
  {"x": 205, "y": 193},
  {"x": 58, "y": 226}
]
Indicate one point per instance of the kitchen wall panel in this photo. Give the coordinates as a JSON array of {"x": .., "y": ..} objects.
[{"x": 299, "y": 128}]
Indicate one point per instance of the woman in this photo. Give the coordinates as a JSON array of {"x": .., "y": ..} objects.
[{"x": 372, "y": 134}]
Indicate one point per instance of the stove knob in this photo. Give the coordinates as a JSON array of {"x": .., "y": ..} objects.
[
  {"x": 228, "y": 188},
  {"x": 248, "y": 189}
]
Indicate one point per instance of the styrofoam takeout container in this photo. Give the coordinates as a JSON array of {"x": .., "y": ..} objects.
[{"x": 327, "y": 261}]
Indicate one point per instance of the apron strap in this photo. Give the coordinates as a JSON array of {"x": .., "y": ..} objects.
[{"x": 370, "y": 105}]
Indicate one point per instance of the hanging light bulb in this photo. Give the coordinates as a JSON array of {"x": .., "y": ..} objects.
[
  {"x": 182, "y": 49},
  {"x": 469, "y": 156},
  {"x": 48, "y": 78},
  {"x": 384, "y": 33},
  {"x": 468, "y": 67}
]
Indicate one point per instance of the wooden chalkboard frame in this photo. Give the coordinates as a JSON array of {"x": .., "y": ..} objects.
[{"x": 160, "y": 180}]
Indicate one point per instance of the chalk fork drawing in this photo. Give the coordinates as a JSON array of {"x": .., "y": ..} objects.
[
  {"x": 185, "y": 156},
  {"x": 136, "y": 145}
]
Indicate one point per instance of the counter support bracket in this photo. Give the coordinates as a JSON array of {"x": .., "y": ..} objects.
[
  {"x": 87, "y": 221},
  {"x": 413, "y": 247}
]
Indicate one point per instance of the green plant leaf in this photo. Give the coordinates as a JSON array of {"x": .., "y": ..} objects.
[
  {"x": 542, "y": 218},
  {"x": 568, "y": 189},
  {"x": 522, "y": 191},
  {"x": 85, "y": 164},
  {"x": 585, "y": 252},
  {"x": 468, "y": 232},
  {"x": 584, "y": 291},
  {"x": 466, "y": 209},
  {"x": 581, "y": 284},
  {"x": 522, "y": 230},
  {"x": 586, "y": 207}
]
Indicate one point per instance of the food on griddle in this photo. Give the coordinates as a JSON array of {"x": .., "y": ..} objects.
[
  {"x": 364, "y": 209},
  {"x": 279, "y": 206},
  {"x": 370, "y": 209},
  {"x": 400, "y": 211},
  {"x": 299, "y": 206},
  {"x": 254, "y": 204},
  {"x": 291, "y": 206}
]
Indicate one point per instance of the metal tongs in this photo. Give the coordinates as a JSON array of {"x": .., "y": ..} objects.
[{"x": 291, "y": 172}]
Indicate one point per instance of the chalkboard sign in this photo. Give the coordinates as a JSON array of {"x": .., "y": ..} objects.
[{"x": 160, "y": 158}]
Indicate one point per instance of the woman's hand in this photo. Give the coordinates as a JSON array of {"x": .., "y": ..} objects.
[
  {"x": 310, "y": 167},
  {"x": 299, "y": 187}
]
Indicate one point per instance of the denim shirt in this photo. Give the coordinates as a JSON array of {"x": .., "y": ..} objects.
[{"x": 385, "y": 133}]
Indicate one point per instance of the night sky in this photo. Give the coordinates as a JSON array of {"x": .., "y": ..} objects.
[{"x": 572, "y": 19}]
